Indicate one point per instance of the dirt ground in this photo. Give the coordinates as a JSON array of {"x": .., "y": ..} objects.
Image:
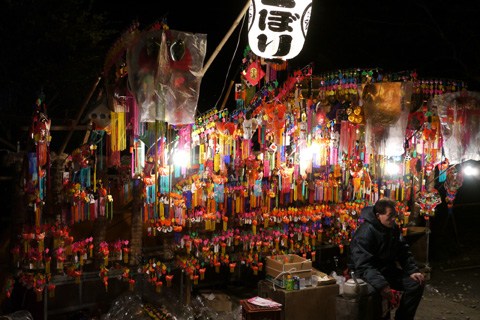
[
  {"x": 452, "y": 295},
  {"x": 453, "y": 290}
]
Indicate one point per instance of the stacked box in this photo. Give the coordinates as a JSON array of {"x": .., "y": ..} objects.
[{"x": 279, "y": 267}]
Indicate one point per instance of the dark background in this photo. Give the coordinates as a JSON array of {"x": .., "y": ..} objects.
[{"x": 61, "y": 46}]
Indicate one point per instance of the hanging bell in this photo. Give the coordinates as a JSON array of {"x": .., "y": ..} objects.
[{"x": 177, "y": 50}]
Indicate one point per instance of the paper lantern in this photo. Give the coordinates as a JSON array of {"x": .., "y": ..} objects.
[{"x": 277, "y": 28}]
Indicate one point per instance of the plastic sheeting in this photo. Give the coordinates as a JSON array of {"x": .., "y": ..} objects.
[
  {"x": 459, "y": 115},
  {"x": 133, "y": 307},
  {"x": 165, "y": 73},
  {"x": 127, "y": 306},
  {"x": 386, "y": 106},
  {"x": 19, "y": 315}
]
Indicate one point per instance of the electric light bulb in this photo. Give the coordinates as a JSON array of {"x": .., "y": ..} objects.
[
  {"x": 392, "y": 168},
  {"x": 180, "y": 158},
  {"x": 470, "y": 171}
]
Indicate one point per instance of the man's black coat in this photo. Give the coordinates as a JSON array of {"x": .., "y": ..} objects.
[{"x": 376, "y": 249}]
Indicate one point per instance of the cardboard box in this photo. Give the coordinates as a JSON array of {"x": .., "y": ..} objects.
[
  {"x": 305, "y": 304},
  {"x": 279, "y": 267},
  {"x": 217, "y": 301},
  {"x": 322, "y": 281}
]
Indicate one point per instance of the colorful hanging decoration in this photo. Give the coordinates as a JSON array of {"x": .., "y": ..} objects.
[{"x": 289, "y": 170}]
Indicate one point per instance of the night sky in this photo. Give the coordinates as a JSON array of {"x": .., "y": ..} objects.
[
  {"x": 60, "y": 46},
  {"x": 44, "y": 45},
  {"x": 437, "y": 38}
]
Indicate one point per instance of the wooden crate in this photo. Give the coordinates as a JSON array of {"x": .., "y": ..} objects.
[{"x": 253, "y": 312}]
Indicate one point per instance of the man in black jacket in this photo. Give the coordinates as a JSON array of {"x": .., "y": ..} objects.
[{"x": 376, "y": 249}]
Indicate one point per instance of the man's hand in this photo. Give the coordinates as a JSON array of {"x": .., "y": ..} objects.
[
  {"x": 418, "y": 277},
  {"x": 387, "y": 293}
]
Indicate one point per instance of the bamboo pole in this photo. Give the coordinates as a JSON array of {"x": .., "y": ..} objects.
[
  {"x": 229, "y": 89},
  {"x": 74, "y": 124},
  {"x": 229, "y": 33}
]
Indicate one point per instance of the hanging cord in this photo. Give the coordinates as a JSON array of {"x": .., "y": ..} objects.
[
  {"x": 292, "y": 270},
  {"x": 231, "y": 61}
]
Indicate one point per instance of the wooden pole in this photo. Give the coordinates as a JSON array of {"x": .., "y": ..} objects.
[
  {"x": 229, "y": 33},
  {"x": 85, "y": 103},
  {"x": 229, "y": 89},
  {"x": 226, "y": 96},
  {"x": 8, "y": 144}
]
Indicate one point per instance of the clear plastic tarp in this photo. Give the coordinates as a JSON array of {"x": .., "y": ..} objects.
[
  {"x": 459, "y": 115},
  {"x": 165, "y": 73},
  {"x": 386, "y": 107}
]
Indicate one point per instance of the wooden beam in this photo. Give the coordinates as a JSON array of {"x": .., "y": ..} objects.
[
  {"x": 63, "y": 128},
  {"x": 79, "y": 115},
  {"x": 8, "y": 144},
  {"x": 87, "y": 134},
  {"x": 50, "y": 101}
]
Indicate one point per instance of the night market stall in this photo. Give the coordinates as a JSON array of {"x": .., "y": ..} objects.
[{"x": 162, "y": 200}]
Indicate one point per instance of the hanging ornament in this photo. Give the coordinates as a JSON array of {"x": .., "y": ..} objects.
[
  {"x": 254, "y": 73},
  {"x": 428, "y": 201}
]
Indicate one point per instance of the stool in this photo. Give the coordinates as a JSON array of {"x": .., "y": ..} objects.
[
  {"x": 253, "y": 312},
  {"x": 358, "y": 308}
]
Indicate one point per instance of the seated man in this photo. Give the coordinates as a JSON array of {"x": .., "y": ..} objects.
[{"x": 376, "y": 248}]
